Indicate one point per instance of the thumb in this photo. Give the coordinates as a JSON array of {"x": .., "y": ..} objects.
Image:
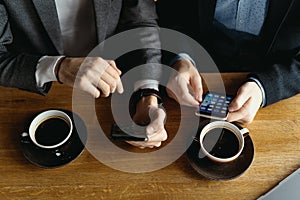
[
  {"x": 241, "y": 98},
  {"x": 196, "y": 86},
  {"x": 186, "y": 98},
  {"x": 157, "y": 116},
  {"x": 120, "y": 87}
]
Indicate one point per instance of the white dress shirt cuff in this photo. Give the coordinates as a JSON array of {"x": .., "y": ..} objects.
[
  {"x": 263, "y": 103},
  {"x": 45, "y": 69},
  {"x": 146, "y": 84},
  {"x": 182, "y": 56}
]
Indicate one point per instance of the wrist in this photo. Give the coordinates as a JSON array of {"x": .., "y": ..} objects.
[
  {"x": 143, "y": 109},
  {"x": 182, "y": 56},
  {"x": 146, "y": 102},
  {"x": 57, "y": 68},
  {"x": 179, "y": 65},
  {"x": 144, "y": 98},
  {"x": 261, "y": 88}
]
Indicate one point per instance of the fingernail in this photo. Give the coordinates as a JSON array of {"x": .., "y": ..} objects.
[
  {"x": 199, "y": 98},
  {"x": 151, "y": 130},
  {"x": 97, "y": 94},
  {"x": 120, "y": 89}
]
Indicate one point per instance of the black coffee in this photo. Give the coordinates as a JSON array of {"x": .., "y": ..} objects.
[
  {"x": 221, "y": 143},
  {"x": 52, "y": 131}
]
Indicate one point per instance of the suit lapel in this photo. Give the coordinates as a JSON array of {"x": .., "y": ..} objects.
[
  {"x": 101, "y": 14},
  {"x": 277, "y": 12},
  {"x": 47, "y": 12}
]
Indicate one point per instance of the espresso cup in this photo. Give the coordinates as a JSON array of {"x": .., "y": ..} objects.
[
  {"x": 222, "y": 141},
  {"x": 50, "y": 129}
]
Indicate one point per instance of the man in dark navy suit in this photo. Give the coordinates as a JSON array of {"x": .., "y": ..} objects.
[{"x": 257, "y": 36}]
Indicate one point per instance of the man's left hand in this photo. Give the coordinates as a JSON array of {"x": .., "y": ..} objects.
[
  {"x": 245, "y": 105},
  {"x": 148, "y": 112}
]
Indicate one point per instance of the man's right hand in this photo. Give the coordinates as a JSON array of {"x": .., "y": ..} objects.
[
  {"x": 94, "y": 75},
  {"x": 187, "y": 76}
]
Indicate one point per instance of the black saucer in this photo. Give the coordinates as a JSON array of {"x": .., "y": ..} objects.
[
  {"x": 48, "y": 158},
  {"x": 217, "y": 171}
]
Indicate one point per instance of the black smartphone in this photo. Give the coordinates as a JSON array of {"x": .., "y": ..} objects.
[
  {"x": 214, "y": 106},
  {"x": 128, "y": 132}
]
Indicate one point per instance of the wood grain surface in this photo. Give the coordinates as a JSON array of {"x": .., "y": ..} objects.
[{"x": 275, "y": 133}]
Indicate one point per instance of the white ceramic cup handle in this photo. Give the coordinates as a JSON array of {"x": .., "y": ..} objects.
[
  {"x": 25, "y": 137},
  {"x": 25, "y": 134},
  {"x": 244, "y": 131}
]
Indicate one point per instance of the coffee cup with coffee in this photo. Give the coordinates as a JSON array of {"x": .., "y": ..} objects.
[
  {"x": 50, "y": 129},
  {"x": 222, "y": 141}
]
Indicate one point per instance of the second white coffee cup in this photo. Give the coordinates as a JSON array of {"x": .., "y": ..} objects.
[{"x": 222, "y": 141}]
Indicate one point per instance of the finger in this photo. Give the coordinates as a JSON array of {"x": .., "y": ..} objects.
[
  {"x": 137, "y": 144},
  {"x": 143, "y": 145},
  {"x": 241, "y": 115},
  {"x": 133, "y": 143},
  {"x": 120, "y": 88},
  {"x": 158, "y": 136},
  {"x": 153, "y": 144},
  {"x": 157, "y": 116},
  {"x": 119, "y": 85},
  {"x": 112, "y": 72},
  {"x": 110, "y": 81},
  {"x": 113, "y": 64},
  {"x": 156, "y": 132},
  {"x": 91, "y": 89},
  {"x": 104, "y": 88},
  {"x": 196, "y": 85},
  {"x": 188, "y": 100},
  {"x": 153, "y": 128},
  {"x": 241, "y": 98},
  {"x": 185, "y": 98}
]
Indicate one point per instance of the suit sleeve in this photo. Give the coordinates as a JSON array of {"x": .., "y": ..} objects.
[
  {"x": 281, "y": 81},
  {"x": 142, "y": 14},
  {"x": 16, "y": 70}
]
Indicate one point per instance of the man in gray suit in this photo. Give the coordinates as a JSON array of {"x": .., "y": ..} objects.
[{"x": 48, "y": 40}]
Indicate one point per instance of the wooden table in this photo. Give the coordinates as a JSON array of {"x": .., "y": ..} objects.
[{"x": 275, "y": 133}]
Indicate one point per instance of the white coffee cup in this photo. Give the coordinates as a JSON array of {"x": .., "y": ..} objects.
[
  {"x": 215, "y": 143},
  {"x": 43, "y": 117}
]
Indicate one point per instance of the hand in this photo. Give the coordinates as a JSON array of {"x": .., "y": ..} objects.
[
  {"x": 148, "y": 111},
  {"x": 245, "y": 105},
  {"x": 93, "y": 75},
  {"x": 179, "y": 84}
]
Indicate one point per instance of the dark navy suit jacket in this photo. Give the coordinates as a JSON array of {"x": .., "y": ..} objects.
[{"x": 278, "y": 66}]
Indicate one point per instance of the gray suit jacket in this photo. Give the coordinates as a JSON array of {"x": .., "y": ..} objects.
[{"x": 30, "y": 29}]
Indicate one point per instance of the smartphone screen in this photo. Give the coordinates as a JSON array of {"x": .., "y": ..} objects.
[{"x": 214, "y": 105}]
